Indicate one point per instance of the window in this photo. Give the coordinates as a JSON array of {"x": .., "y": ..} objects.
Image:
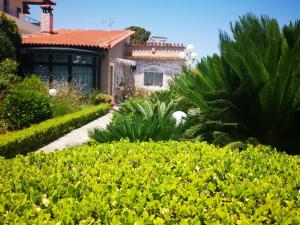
[
  {"x": 78, "y": 69},
  {"x": 83, "y": 77},
  {"x": 153, "y": 76},
  {"x": 60, "y": 73},
  {"x": 81, "y": 59}
]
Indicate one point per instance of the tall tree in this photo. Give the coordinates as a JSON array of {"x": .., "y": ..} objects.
[
  {"x": 9, "y": 36},
  {"x": 141, "y": 35}
]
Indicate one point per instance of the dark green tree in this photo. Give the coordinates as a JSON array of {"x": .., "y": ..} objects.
[
  {"x": 140, "y": 36},
  {"x": 10, "y": 39},
  {"x": 252, "y": 89}
]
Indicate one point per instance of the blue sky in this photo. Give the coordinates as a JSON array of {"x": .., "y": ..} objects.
[{"x": 194, "y": 22}]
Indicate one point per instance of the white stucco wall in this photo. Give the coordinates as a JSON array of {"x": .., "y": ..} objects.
[{"x": 169, "y": 67}]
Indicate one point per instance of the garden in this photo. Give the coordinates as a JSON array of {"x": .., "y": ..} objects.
[{"x": 230, "y": 156}]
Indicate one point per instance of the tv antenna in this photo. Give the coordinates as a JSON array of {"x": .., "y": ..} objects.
[{"x": 109, "y": 23}]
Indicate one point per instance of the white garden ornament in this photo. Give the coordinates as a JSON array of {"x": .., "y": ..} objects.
[
  {"x": 179, "y": 116},
  {"x": 52, "y": 92}
]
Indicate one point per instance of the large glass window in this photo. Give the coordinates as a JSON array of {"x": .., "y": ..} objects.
[
  {"x": 79, "y": 69},
  {"x": 153, "y": 76},
  {"x": 60, "y": 58},
  {"x": 82, "y": 77},
  {"x": 42, "y": 70},
  {"x": 60, "y": 73},
  {"x": 82, "y": 59}
]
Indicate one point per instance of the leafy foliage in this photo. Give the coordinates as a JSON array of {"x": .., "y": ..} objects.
[
  {"x": 32, "y": 82},
  {"x": 140, "y": 36},
  {"x": 10, "y": 39},
  {"x": 151, "y": 183},
  {"x": 141, "y": 120},
  {"x": 7, "y": 50},
  {"x": 24, "y": 108},
  {"x": 253, "y": 88},
  {"x": 8, "y": 66},
  {"x": 38, "y": 135}
]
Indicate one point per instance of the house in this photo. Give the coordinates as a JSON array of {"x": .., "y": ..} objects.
[
  {"x": 156, "y": 62},
  {"x": 86, "y": 57},
  {"x": 19, "y": 11},
  {"x": 98, "y": 59}
]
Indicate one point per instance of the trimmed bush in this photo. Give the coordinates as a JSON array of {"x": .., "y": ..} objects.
[
  {"x": 36, "y": 136},
  {"x": 151, "y": 183},
  {"x": 24, "y": 108}
]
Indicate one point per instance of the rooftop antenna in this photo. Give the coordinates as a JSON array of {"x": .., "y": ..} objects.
[{"x": 109, "y": 23}]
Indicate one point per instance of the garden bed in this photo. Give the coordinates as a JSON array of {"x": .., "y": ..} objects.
[
  {"x": 36, "y": 136},
  {"x": 151, "y": 183}
]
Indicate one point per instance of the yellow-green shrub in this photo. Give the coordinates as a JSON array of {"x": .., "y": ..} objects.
[
  {"x": 27, "y": 140},
  {"x": 151, "y": 183}
]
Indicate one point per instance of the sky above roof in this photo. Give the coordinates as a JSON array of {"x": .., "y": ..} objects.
[{"x": 196, "y": 22}]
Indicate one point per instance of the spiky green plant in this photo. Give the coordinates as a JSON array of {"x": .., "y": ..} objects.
[
  {"x": 141, "y": 121},
  {"x": 253, "y": 88}
]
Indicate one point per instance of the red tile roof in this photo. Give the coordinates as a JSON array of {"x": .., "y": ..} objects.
[
  {"x": 80, "y": 38},
  {"x": 156, "y": 58}
]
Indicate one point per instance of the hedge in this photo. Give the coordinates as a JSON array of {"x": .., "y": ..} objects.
[
  {"x": 151, "y": 183},
  {"x": 36, "y": 136}
]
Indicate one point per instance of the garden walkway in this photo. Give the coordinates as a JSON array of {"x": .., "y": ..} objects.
[{"x": 78, "y": 136}]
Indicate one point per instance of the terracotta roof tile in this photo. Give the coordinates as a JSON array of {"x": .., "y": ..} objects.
[
  {"x": 155, "y": 57},
  {"x": 83, "y": 38}
]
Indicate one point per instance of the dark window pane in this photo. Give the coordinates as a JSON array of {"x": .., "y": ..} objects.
[
  {"x": 41, "y": 57},
  {"x": 82, "y": 59},
  {"x": 83, "y": 77},
  {"x": 60, "y": 73},
  {"x": 60, "y": 58},
  {"x": 42, "y": 71}
]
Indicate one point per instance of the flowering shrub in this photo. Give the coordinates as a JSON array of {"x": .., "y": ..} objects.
[{"x": 151, "y": 183}]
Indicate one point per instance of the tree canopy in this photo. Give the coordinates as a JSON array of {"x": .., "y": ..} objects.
[
  {"x": 10, "y": 39},
  {"x": 140, "y": 36}
]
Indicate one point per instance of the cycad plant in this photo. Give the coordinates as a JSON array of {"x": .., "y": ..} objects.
[
  {"x": 253, "y": 88},
  {"x": 141, "y": 120}
]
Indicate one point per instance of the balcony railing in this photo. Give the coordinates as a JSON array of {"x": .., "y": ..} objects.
[
  {"x": 32, "y": 21},
  {"x": 16, "y": 13}
]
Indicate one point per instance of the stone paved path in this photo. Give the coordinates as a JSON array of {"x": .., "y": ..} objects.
[{"x": 77, "y": 137}]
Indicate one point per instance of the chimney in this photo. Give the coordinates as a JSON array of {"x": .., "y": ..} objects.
[{"x": 47, "y": 19}]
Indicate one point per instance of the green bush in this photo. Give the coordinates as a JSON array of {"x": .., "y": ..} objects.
[
  {"x": 8, "y": 66},
  {"x": 8, "y": 77},
  {"x": 23, "y": 108},
  {"x": 33, "y": 83},
  {"x": 151, "y": 183},
  {"x": 36, "y": 136}
]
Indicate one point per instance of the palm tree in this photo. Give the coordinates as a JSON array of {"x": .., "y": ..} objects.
[{"x": 253, "y": 88}]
